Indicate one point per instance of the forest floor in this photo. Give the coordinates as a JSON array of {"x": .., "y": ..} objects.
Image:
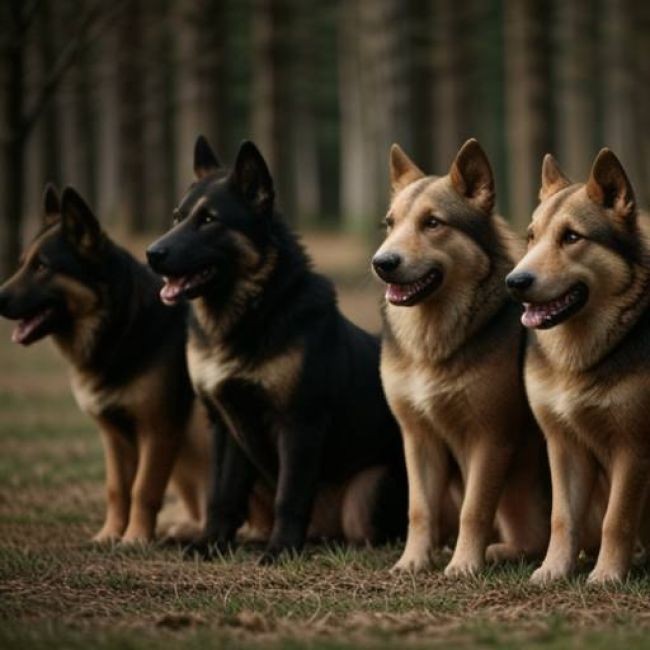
[{"x": 57, "y": 590}]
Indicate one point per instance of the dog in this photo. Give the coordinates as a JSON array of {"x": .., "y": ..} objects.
[
  {"x": 585, "y": 285},
  {"x": 127, "y": 364},
  {"x": 451, "y": 366},
  {"x": 296, "y": 384}
]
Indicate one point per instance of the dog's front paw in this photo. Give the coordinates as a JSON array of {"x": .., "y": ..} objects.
[
  {"x": 605, "y": 576},
  {"x": 412, "y": 563},
  {"x": 549, "y": 572},
  {"x": 274, "y": 554},
  {"x": 107, "y": 535},
  {"x": 207, "y": 548},
  {"x": 463, "y": 568}
]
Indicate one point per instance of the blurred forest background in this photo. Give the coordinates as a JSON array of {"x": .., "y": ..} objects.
[{"x": 109, "y": 96}]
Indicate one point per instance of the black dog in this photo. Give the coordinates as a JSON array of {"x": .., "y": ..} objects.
[{"x": 296, "y": 384}]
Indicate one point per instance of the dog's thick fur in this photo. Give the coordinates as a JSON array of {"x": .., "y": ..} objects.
[
  {"x": 452, "y": 365},
  {"x": 127, "y": 361},
  {"x": 295, "y": 383},
  {"x": 585, "y": 281}
]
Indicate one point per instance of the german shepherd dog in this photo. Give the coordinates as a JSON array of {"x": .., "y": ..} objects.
[
  {"x": 295, "y": 383},
  {"x": 127, "y": 362},
  {"x": 452, "y": 365},
  {"x": 585, "y": 285}
]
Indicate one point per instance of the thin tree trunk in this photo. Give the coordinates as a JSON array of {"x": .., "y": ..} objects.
[
  {"x": 529, "y": 118},
  {"x": 272, "y": 106},
  {"x": 576, "y": 97}
]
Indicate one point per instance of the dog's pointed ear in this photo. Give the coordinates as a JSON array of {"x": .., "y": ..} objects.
[
  {"x": 205, "y": 160},
  {"x": 553, "y": 178},
  {"x": 79, "y": 225},
  {"x": 609, "y": 186},
  {"x": 472, "y": 177},
  {"x": 51, "y": 205},
  {"x": 251, "y": 178},
  {"x": 403, "y": 171}
]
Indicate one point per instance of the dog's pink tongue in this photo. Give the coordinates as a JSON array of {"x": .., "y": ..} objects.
[
  {"x": 172, "y": 290},
  {"x": 398, "y": 292},
  {"x": 534, "y": 315},
  {"x": 26, "y": 327}
]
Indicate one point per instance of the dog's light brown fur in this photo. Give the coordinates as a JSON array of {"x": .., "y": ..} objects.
[
  {"x": 452, "y": 373},
  {"x": 587, "y": 378}
]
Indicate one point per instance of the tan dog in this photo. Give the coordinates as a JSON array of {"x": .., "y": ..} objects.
[
  {"x": 585, "y": 283},
  {"x": 451, "y": 365}
]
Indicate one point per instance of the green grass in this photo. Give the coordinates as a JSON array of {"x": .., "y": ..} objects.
[{"x": 59, "y": 591}]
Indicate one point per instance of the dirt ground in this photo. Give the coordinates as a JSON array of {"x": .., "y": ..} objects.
[{"x": 57, "y": 590}]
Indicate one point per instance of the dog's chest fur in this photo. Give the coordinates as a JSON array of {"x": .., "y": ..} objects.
[
  {"x": 601, "y": 415},
  {"x": 95, "y": 399},
  {"x": 210, "y": 369}
]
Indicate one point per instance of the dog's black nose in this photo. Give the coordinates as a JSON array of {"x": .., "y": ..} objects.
[
  {"x": 386, "y": 262},
  {"x": 520, "y": 281},
  {"x": 156, "y": 255}
]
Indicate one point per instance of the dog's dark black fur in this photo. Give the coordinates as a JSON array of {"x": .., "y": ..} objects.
[{"x": 259, "y": 307}]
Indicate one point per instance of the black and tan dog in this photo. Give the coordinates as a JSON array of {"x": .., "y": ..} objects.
[
  {"x": 127, "y": 361},
  {"x": 296, "y": 384},
  {"x": 585, "y": 284},
  {"x": 452, "y": 365}
]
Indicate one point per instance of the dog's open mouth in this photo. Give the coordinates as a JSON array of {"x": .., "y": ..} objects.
[
  {"x": 185, "y": 286},
  {"x": 410, "y": 293},
  {"x": 34, "y": 327},
  {"x": 544, "y": 315}
]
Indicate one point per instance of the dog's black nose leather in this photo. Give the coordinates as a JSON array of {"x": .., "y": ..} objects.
[
  {"x": 155, "y": 255},
  {"x": 386, "y": 262},
  {"x": 520, "y": 281}
]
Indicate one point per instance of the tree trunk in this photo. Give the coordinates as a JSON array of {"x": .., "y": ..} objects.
[
  {"x": 13, "y": 60},
  {"x": 621, "y": 88},
  {"x": 576, "y": 98},
  {"x": 272, "y": 92},
  {"x": 529, "y": 116}
]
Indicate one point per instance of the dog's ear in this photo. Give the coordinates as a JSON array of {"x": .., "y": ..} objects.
[
  {"x": 403, "y": 171},
  {"x": 51, "y": 205},
  {"x": 609, "y": 186},
  {"x": 553, "y": 178},
  {"x": 205, "y": 160},
  {"x": 80, "y": 226},
  {"x": 471, "y": 175},
  {"x": 251, "y": 178}
]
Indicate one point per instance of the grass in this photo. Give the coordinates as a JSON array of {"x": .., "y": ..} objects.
[{"x": 59, "y": 591}]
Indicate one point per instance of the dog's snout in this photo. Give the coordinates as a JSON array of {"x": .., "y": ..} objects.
[
  {"x": 520, "y": 281},
  {"x": 386, "y": 262},
  {"x": 156, "y": 255}
]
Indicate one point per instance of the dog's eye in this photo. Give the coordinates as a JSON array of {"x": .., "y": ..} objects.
[
  {"x": 530, "y": 236},
  {"x": 207, "y": 217},
  {"x": 40, "y": 265},
  {"x": 177, "y": 217},
  {"x": 570, "y": 236},
  {"x": 432, "y": 222},
  {"x": 388, "y": 222}
]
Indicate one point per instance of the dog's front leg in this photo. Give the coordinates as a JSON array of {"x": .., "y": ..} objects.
[
  {"x": 486, "y": 468},
  {"x": 157, "y": 451},
  {"x": 299, "y": 451},
  {"x": 232, "y": 478},
  {"x": 120, "y": 456},
  {"x": 629, "y": 480},
  {"x": 573, "y": 472},
  {"x": 427, "y": 464}
]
